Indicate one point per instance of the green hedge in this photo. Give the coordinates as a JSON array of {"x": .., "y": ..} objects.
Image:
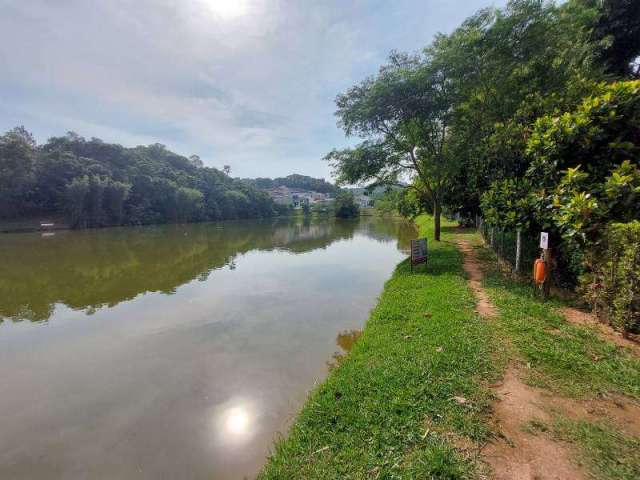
[{"x": 613, "y": 288}]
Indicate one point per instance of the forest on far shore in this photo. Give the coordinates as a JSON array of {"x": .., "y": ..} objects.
[
  {"x": 302, "y": 182},
  {"x": 94, "y": 184}
]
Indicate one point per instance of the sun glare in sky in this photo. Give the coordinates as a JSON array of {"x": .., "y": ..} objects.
[{"x": 227, "y": 9}]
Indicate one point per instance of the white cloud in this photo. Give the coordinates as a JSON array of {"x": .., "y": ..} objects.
[{"x": 248, "y": 83}]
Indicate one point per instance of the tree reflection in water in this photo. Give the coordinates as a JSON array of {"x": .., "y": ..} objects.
[
  {"x": 93, "y": 269},
  {"x": 345, "y": 340}
]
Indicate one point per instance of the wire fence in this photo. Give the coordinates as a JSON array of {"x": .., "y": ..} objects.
[{"x": 505, "y": 244}]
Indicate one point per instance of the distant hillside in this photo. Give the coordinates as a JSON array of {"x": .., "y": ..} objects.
[
  {"x": 302, "y": 182},
  {"x": 94, "y": 184}
]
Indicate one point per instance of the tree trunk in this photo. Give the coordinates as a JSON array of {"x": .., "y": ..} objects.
[{"x": 436, "y": 219}]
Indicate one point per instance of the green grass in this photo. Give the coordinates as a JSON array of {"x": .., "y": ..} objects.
[
  {"x": 607, "y": 453},
  {"x": 388, "y": 411},
  {"x": 602, "y": 448},
  {"x": 567, "y": 359}
]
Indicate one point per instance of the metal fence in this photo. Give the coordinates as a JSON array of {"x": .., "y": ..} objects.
[{"x": 505, "y": 244}]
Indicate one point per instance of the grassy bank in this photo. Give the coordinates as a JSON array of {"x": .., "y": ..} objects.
[{"x": 411, "y": 394}]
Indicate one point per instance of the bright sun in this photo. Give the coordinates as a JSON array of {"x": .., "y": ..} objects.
[{"x": 227, "y": 9}]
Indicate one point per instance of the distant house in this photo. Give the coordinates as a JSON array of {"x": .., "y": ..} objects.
[
  {"x": 362, "y": 201},
  {"x": 299, "y": 199},
  {"x": 319, "y": 197},
  {"x": 296, "y": 198},
  {"x": 280, "y": 195}
]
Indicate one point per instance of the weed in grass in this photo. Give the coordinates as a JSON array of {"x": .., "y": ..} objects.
[
  {"x": 534, "y": 427},
  {"x": 607, "y": 453}
]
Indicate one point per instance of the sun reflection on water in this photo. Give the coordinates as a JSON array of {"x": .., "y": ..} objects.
[{"x": 237, "y": 421}]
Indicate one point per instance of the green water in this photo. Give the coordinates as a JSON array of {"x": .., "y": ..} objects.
[{"x": 175, "y": 351}]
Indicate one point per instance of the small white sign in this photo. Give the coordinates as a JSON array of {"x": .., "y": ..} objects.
[{"x": 544, "y": 240}]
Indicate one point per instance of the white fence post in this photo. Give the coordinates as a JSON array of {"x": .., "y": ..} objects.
[
  {"x": 492, "y": 230},
  {"x": 518, "y": 248}
]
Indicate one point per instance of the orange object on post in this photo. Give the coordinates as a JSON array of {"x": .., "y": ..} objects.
[{"x": 539, "y": 271}]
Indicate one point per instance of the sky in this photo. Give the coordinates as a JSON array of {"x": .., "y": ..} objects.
[{"x": 245, "y": 83}]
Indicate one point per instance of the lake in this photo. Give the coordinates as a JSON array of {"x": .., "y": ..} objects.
[{"x": 176, "y": 351}]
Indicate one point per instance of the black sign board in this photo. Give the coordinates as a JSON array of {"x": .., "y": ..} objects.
[{"x": 418, "y": 251}]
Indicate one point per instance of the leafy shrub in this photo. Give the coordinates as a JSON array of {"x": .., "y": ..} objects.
[
  {"x": 506, "y": 204},
  {"x": 573, "y": 154},
  {"x": 322, "y": 208},
  {"x": 345, "y": 206},
  {"x": 600, "y": 133},
  {"x": 613, "y": 285}
]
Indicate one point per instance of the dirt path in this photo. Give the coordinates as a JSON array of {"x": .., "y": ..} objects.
[
  {"x": 516, "y": 454},
  {"x": 473, "y": 267}
]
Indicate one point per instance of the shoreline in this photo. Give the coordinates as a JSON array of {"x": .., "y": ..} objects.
[
  {"x": 389, "y": 409},
  {"x": 26, "y": 226}
]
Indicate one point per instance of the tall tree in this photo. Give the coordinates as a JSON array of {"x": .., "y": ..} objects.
[
  {"x": 403, "y": 115},
  {"x": 17, "y": 156}
]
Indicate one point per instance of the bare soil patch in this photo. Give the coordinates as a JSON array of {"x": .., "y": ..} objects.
[
  {"x": 520, "y": 455},
  {"x": 518, "y": 451},
  {"x": 579, "y": 317}
]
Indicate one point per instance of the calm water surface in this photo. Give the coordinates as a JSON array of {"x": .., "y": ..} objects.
[{"x": 175, "y": 351}]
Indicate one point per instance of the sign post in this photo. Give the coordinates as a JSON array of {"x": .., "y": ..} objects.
[
  {"x": 418, "y": 252},
  {"x": 544, "y": 240},
  {"x": 541, "y": 266}
]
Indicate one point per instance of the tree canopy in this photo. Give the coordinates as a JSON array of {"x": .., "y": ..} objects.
[
  {"x": 456, "y": 119},
  {"x": 295, "y": 180},
  {"x": 95, "y": 184},
  {"x": 403, "y": 114},
  {"x": 527, "y": 115}
]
